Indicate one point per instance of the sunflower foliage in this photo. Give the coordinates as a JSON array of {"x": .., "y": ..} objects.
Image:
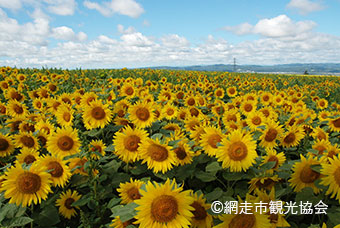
[{"x": 155, "y": 148}]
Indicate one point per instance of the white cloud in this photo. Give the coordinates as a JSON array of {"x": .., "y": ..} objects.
[
  {"x": 280, "y": 26},
  {"x": 124, "y": 7},
  {"x": 305, "y": 6},
  {"x": 174, "y": 40},
  {"x": 66, "y": 33},
  {"x": 136, "y": 39},
  {"x": 61, "y": 7},
  {"x": 10, "y": 4},
  {"x": 122, "y": 30}
]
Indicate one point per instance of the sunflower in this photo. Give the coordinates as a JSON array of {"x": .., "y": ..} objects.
[
  {"x": 254, "y": 219},
  {"x": 60, "y": 172},
  {"x": 127, "y": 143},
  {"x": 321, "y": 146},
  {"x": 87, "y": 99},
  {"x": 190, "y": 101},
  {"x": 182, "y": 151},
  {"x": 319, "y": 133},
  {"x": 219, "y": 92},
  {"x": 210, "y": 139},
  {"x": 16, "y": 109},
  {"x": 3, "y": 109},
  {"x": 158, "y": 156},
  {"x": 331, "y": 177},
  {"x": 322, "y": 104},
  {"x": 129, "y": 191},
  {"x": 26, "y": 140},
  {"x": 64, "y": 115},
  {"x": 232, "y": 91},
  {"x": 13, "y": 94},
  {"x": 66, "y": 98},
  {"x": 26, "y": 186},
  {"x": 255, "y": 119},
  {"x": 164, "y": 205},
  {"x": 77, "y": 165},
  {"x": 6, "y": 145},
  {"x": 272, "y": 133},
  {"x": 45, "y": 126},
  {"x": 333, "y": 150},
  {"x": 96, "y": 115},
  {"x": 263, "y": 183},
  {"x": 117, "y": 223},
  {"x": 303, "y": 176},
  {"x": 334, "y": 124},
  {"x": 65, "y": 202},
  {"x": 27, "y": 156},
  {"x": 273, "y": 156},
  {"x": 247, "y": 107},
  {"x": 169, "y": 112},
  {"x": 63, "y": 142},
  {"x": 201, "y": 218},
  {"x": 238, "y": 151},
  {"x": 292, "y": 136},
  {"x": 266, "y": 98},
  {"x": 127, "y": 90},
  {"x": 141, "y": 114},
  {"x": 97, "y": 147}
]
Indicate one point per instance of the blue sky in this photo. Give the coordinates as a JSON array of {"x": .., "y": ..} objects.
[{"x": 138, "y": 33}]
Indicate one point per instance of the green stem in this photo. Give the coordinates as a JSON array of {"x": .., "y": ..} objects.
[{"x": 32, "y": 209}]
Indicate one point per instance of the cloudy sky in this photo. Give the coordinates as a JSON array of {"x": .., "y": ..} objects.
[{"x": 142, "y": 33}]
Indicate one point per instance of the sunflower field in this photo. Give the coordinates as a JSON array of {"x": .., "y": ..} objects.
[{"x": 159, "y": 148}]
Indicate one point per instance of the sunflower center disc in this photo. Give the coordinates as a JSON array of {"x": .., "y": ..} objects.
[
  {"x": 42, "y": 139},
  {"x": 65, "y": 143},
  {"x": 131, "y": 143},
  {"x": 180, "y": 152},
  {"x": 121, "y": 113},
  {"x": 158, "y": 153},
  {"x": 231, "y": 91},
  {"x": 29, "y": 159},
  {"x": 16, "y": 96},
  {"x": 129, "y": 91},
  {"x": 66, "y": 100},
  {"x": 213, "y": 140},
  {"x": 290, "y": 138},
  {"x": 191, "y": 101},
  {"x": 52, "y": 87},
  {"x": 275, "y": 159},
  {"x": 238, "y": 151},
  {"x": 336, "y": 123},
  {"x": 248, "y": 107},
  {"x": 170, "y": 112},
  {"x": 199, "y": 212},
  {"x": 68, "y": 203},
  {"x": 67, "y": 116},
  {"x": 28, "y": 183},
  {"x": 308, "y": 175},
  {"x": 243, "y": 221},
  {"x": 133, "y": 193},
  {"x": 232, "y": 118},
  {"x": 27, "y": 141},
  {"x": 164, "y": 208},
  {"x": 337, "y": 176},
  {"x": 3, "y": 144},
  {"x": 18, "y": 109},
  {"x": 194, "y": 112},
  {"x": 2, "y": 109},
  {"x": 265, "y": 98},
  {"x": 271, "y": 135},
  {"x": 143, "y": 114},
  {"x": 98, "y": 113},
  {"x": 219, "y": 93},
  {"x": 57, "y": 169},
  {"x": 256, "y": 120},
  {"x": 274, "y": 218},
  {"x": 266, "y": 183}
]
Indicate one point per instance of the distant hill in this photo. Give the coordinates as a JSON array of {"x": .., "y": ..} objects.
[{"x": 295, "y": 68}]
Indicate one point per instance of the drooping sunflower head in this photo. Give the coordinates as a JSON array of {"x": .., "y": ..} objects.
[
  {"x": 63, "y": 142},
  {"x": 27, "y": 140},
  {"x": 271, "y": 134},
  {"x": 273, "y": 156},
  {"x": 65, "y": 202},
  {"x": 292, "y": 136},
  {"x": 129, "y": 191},
  {"x": 164, "y": 205},
  {"x": 263, "y": 183},
  {"x": 182, "y": 150}
]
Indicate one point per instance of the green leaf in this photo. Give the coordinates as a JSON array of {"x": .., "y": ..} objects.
[
  {"x": 125, "y": 213},
  {"x": 49, "y": 216},
  {"x": 113, "y": 202},
  {"x": 81, "y": 202},
  {"x": 214, "y": 195},
  {"x": 110, "y": 148},
  {"x": 8, "y": 211},
  {"x": 213, "y": 167},
  {"x": 21, "y": 221},
  {"x": 316, "y": 168},
  {"x": 229, "y": 176},
  {"x": 267, "y": 166},
  {"x": 205, "y": 177},
  {"x": 157, "y": 136}
]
